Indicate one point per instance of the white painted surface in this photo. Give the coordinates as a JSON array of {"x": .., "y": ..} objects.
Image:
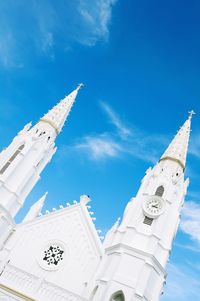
[{"x": 59, "y": 256}]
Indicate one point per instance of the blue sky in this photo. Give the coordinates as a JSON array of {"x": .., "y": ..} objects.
[{"x": 140, "y": 64}]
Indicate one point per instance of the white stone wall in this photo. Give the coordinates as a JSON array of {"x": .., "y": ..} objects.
[{"x": 25, "y": 270}]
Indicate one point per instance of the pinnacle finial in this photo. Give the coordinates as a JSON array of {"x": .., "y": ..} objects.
[
  {"x": 35, "y": 209},
  {"x": 191, "y": 113},
  {"x": 81, "y": 85}
]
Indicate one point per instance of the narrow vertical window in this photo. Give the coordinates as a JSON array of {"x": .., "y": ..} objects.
[
  {"x": 21, "y": 147},
  {"x": 159, "y": 191},
  {"x": 7, "y": 164}
]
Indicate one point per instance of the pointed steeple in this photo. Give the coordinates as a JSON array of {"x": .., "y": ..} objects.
[
  {"x": 57, "y": 116},
  {"x": 177, "y": 150},
  {"x": 35, "y": 209}
]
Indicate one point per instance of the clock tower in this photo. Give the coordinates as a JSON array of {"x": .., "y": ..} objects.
[{"x": 138, "y": 248}]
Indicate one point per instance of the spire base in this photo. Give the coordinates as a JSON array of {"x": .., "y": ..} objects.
[
  {"x": 51, "y": 123},
  {"x": 174, "y": 160}
]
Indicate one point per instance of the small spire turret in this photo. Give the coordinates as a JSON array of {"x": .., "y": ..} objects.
[{"x": 35, "y": 209}]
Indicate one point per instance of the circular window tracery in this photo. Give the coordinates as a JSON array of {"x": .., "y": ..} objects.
[{"x": 52, "y": 255}]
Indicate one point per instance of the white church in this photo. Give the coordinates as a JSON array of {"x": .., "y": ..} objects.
[{"x": 59, "y": 256}]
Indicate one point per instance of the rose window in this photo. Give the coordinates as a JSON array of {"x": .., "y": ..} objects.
[{"x": 53, "y": 255}]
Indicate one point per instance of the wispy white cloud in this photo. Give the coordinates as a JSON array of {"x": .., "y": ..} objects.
[
  {"x": 194, "y": 148},
  {"x": 96, "y": 16},
  {"x": 175, "y": 290},
  {"x": 123, "y": 130},
  {"x": 190, "y": 247},
  {"x": 191, "y": 193},
  {"x": 23, "y": 31},
  {"x": 99, "y": 147},
  {"x": 194, "y": 265},
  {"x": 46, "y": 24},
  {"x": 132, "y": 141},
  {"x": 190, "y": 223},
  {"x": 126, "y": 140}
]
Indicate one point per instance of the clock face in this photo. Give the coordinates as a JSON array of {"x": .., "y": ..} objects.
[{"x": 153, "y": 206}]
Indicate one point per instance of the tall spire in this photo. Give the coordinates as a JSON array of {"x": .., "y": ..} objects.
[
  {"x": 177, "y": 150},
  {"x": 57, "y": 116}
]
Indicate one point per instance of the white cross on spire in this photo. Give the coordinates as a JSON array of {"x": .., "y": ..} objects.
[
  {"x": 81, "y": 85},
  {"x": 191, "y": 113}
]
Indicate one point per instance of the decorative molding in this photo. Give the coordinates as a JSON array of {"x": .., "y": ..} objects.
[
  {"x": 174, "y": 160},
  {"x": 51, "y": 123},
  {"x": 142, "y": 255},
  {"x": 16, "y": 293}
]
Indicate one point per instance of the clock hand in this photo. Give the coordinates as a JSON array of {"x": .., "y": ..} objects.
[{"x": 154, "y": 206}]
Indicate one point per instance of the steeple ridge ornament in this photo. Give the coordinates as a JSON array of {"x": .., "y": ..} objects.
[{"x": 177, "y": 150}]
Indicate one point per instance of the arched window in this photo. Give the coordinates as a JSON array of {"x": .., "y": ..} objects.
[
  {"x": 7, "y": 164},
  {"x": 119, "y": 296},
  {"x": 159, "y": 191}
]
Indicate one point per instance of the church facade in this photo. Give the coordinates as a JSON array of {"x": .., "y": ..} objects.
[{"x": 59, "y": 256}]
